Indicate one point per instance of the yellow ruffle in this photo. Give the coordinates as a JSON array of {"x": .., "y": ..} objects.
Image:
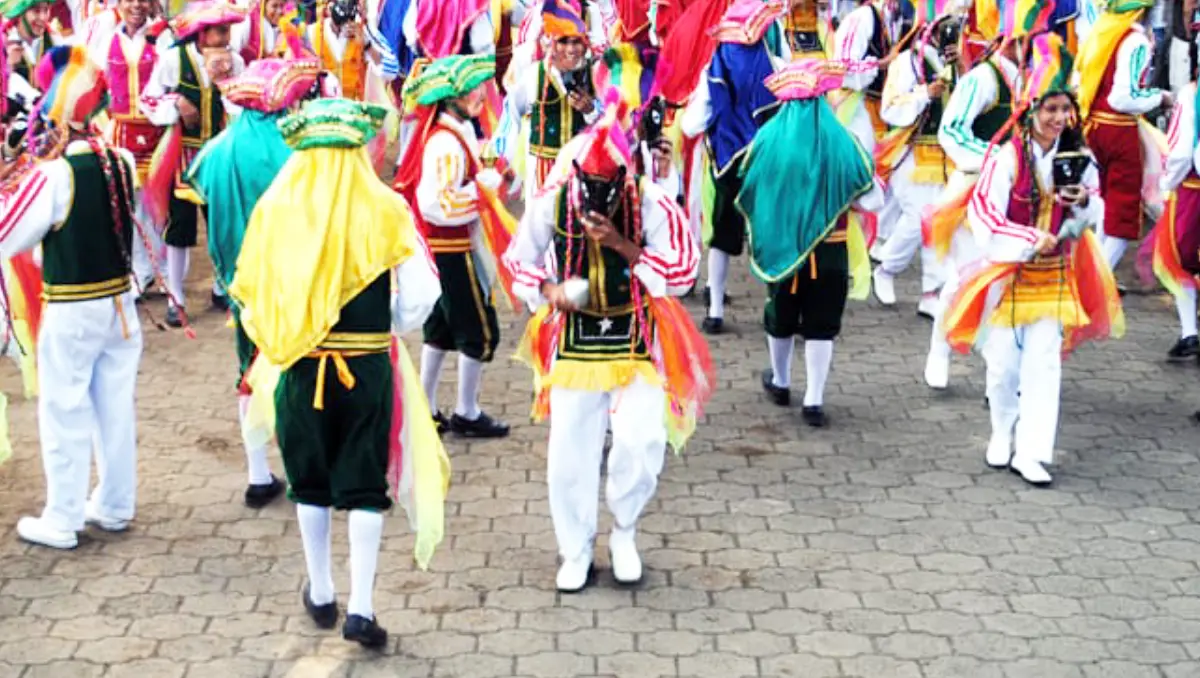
[
  {"x": 1039, "y": 293},
  {"x": 325, "y": 230},
  {"x": 583, "y": 375}
]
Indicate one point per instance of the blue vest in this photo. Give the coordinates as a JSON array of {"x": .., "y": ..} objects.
[{"x": 740, "y": 100}]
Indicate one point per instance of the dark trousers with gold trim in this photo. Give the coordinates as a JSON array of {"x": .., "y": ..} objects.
[
  {"x": 464, "y": 319},
  {"x": 728, "y": 224},
  {"x": 183, "y": 222},
  {"x": 811, "y": 302},
  {"x": 338, "y": 455}
]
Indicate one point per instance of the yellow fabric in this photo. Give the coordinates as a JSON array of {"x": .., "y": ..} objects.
[
  {"x": 1041, "y": 289},
  {"x": 325, "y": 229},
  {"x": 430, "y": 466},
  {"x": 600, "y": 376},
  {"x": 987, "y": 17},
  {"x": 1097, "y": 50},
  {"x": 931, "y": 165},
  {"x": 859, "y": 260}
]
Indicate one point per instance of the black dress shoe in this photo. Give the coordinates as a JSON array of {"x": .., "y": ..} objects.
[
  {"x": 324, "y": 616},
  {"x": 258, "y": 496},
  {"x": 713, "y": 326},
  {"x": 1122, "y": 290},
  {"x": 220, "y": 302},
  {"x": 482, "y": 426},
  {"x": 365, "y": 632},
  {"x": 173, "y": 318},
  {"x": 776, "y": 394},
  {"x": 440, "y": 421},
  {"x": 1188, "y": 347},
  {"x": 814, "y": 416}
]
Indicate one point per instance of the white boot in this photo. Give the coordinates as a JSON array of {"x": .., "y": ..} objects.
[
  {"x": 622, "y": 549},
  {"x": 937, "y": 370},
  {"x": 1031, "y": 471},
  {"x": 885, "y": 286},
  {"x": 39, "y": 531},
  {"x": 573, "y": 575},
  {"x": 999, "y": 452}
]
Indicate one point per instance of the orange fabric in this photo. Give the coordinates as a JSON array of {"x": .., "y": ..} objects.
[{"x": 351, "y": 71}]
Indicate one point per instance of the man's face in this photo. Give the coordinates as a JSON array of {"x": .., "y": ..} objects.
[
  {"x": 215, "y": 37},
  {"x": 272, "y": 11},
  {"x": 37, "y": 18},
  {"x": 134, "y": 12},
  {"x": 470, "y": 105},
  {"x": 567, "y": 53}
]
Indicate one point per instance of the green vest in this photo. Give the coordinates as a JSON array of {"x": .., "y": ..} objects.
[
  {"x": 988, "y": 123},
  {"x": 933, "y": 114},
  {"x": 550, "y": 117},
  {"x": 365, "y": 322},
  {"x": 84, "y": 258},
  {"x": 604, "y": 329},
  {"x": 207, "y": 100}
]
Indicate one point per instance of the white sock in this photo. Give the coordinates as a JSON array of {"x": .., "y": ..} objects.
[
  {"x": 314, "y": 532},
  {"x": 366, "y": 532},
  {"x": 1114, "y": 249},
  {"x": 217, "y": 289},
  {"x": 818, "y": 357},
  {"x": 781, "y": 359},
  {"x": 1185, "y": 303},
  {"x": 470, "y": 374},
  {"x": 718, "y": 270},
  {"x": 257, "y": 468},
  {"x": 431, "y": 370},
  {"x": 177, "y": 270}
]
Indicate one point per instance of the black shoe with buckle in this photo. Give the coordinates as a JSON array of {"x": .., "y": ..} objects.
[
  {"x": 258, "y": 496},
  {"x": 1187, "y": 347},
  {"x": 324, "y": 616},
  {"x": 777, "y": 394},
  {"x": 174, "y": 318},
  {"x": 713, "y": 326},
  {"x": 220, "y": 302},
  {"x": 482, "y": 426},
  {"x": 441, "y": 422},
  {"x": 814, "y": 416},
  {"x": 365, "y": 632}
]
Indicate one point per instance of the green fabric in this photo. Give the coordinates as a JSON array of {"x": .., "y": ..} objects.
[
  {"x": 332, "y": 123},
  {"x": 1124, "y": 6},
  {"x": 231, "y": 173},
  {"x": 336, "y": 456},
  {"x": 191, "y": 89},
  {"x": 242, "y": 344},
  {"x": 988, "y": 123},
  {"x": 15, "y": 8},
  {"x": 370, "y": 311},
  {"x": 802, "y": 172},
  {"x": 807, "y": 305},
  {"x": 464, "y": 319},
  {"x": 85, "y": 249},
  {"x": 450, "y": 77},
  {"x": 552, "y": 122}
]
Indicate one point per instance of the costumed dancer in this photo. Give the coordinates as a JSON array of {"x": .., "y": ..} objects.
[
  {"x": 230, "y": 174},
  {"x": 258, "y": 36},
  {"x": 607, "y": 346},
  {"x": 182, "y": 95},
  {"x": 78, "y": 205},
  {"x": 919, "y": 82},
  {"x": 314, "y": 280},
  {"x": 558, "y": 94},
  {"x": 1174, "y": 243},
  {"x": 463, "y": 222},
  {"x": 127, "y": 54},
  {"x": 340, "y": 42},
  {"x": 729, "y": 106},
  {"x": 1044, "y": 286},
  {"x": 1112, "y": 66},
  {"x": 978, "y": 109},
  {"x": 28, "y": 23},
  {"x": 800, "y": 178}
]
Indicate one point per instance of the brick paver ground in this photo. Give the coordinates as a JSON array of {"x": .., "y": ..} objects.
[{"x": 878, "y": 548}]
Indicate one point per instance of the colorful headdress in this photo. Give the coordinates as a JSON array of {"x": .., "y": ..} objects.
[
  {"x": 75, "y": 90},
  {"x": 1019, "y": 18},
  {"x": 984, "y": 18},
  {"x": 605, "y": 148},
  {"x": 1049, "y": 69},
  {"x": 12, "y": 9},
  {"x": 928, "y": 11},
  {"x": 332, "y": 123},
  {"x": 1124, "y": 6},
  {"x": 632, "y": 69},
  {"x": 747, "y": 21},
  {"x": 563, "y": 19},
  {"x": 198, "y": 16},
  {"x": 450, "y": 77},
  {"x": 806, "y": 79},
  {"x": 271, "y": 85}
]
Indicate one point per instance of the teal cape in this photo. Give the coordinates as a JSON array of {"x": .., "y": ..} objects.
[
  {"x": 231, "y": 173},
  {"x": 802, "y": 172}
]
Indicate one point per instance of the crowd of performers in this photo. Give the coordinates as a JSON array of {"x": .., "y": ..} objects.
[{"x": 1006, "y": 143}]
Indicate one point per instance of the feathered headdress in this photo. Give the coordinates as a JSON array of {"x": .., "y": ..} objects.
[
  {"x": 1019, "y": 18},
  {"x": 271, "y": 85},
  {"x": 747, "y": 21},
  {"x": 75, "y": 90}
]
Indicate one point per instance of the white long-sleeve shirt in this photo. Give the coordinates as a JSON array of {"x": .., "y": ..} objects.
[
  {"x": 851, "y": 42},
  {"x": 239, "y": 35},
  {"x": 445, "y": 197},
  {"x": 416, "y": 291},
  {"x": 976, "y": 93},
  {"x": 904, "y": 98},
  {"x": 1182, "y": 155},
  {"x": 1005, "y": 240},
  {"x": 1134, "y": 57},
  {"x": 161, "y": 94}
]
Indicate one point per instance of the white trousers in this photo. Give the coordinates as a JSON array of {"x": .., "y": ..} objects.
[
  {"x": 578, "y": 420},
  {"x": 143, "y": 269},
  {"x": 905, "y": 240},
  {"x": 1024, "y": 374},
  {"x": 88, "y": 354},
  {"x": 1179, "y": 67}
]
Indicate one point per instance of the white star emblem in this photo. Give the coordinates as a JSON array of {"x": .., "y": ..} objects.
[
  {"x": 141, "y": 139},
  {"x": 605, "y": 325}
]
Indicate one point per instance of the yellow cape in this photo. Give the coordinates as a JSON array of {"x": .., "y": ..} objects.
[
  {"x": 1097, "y": 51},
  {"x": 325, "y": 229}
]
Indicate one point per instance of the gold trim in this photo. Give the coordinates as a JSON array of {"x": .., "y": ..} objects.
[
  {"x": 85, "y": 291},
  {"x": 480, "y": 308},
  {"x": 359, "y": 342},
  {"x": 449, "y": 245},
  {"x": 1117, "y": 119},
  {"x": 1191, "y": 183}
]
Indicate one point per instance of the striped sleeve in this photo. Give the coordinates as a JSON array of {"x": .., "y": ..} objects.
[
  {"x": 1133, "y": 65},
  {"x": 670, "y": 255},
  {"x": 973, "y": 95},
  {"x": 444, "y": 196},
  {"x": 987, "y": 211},
  {"x": 40, "y": 201}
]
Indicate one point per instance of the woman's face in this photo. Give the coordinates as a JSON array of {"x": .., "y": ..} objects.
[
  {"x": 272, "y": 10},
  {"x": 1052, "y": 116}
]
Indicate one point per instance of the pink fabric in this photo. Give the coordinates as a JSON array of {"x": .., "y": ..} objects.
[
  {"x": 443, "y": 24},
  {"x": 118, "y": 75}
]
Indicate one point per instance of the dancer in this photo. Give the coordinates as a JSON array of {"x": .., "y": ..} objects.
[
  {"x": 454, "y": 195},
  {"x": 1112, "y": 66},
  {"x": 616, "y": 355},
  {"x": 797, "y": 225},
  {"x": 32, "y": 33},
  {"x": 919, "y": 82},
  {"x": 229, "y": 174},
  {"x": 258, "y": 36},
  {"x": 314, "y": 279},
  {"x": 1045, "y": 287},
  {"x": 78, "y": 205},
  {"x": 340, "y": 43},
  {"x": 182, "y": 95},
  {"x": 728, "y": 107}
]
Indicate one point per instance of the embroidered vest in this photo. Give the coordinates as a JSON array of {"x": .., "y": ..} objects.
[
  {"x": 932, "y": 119},
  {"x": 207, "y": 100},
  {"x": 350, "y": 71},
  {"x": 125, "y": 83},
  {"x": 1049, "y": 216},
  {"x": 988, "y": 123},
  {"x": 84, "y": 259},
  {"x": 552, "y": 122}
]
